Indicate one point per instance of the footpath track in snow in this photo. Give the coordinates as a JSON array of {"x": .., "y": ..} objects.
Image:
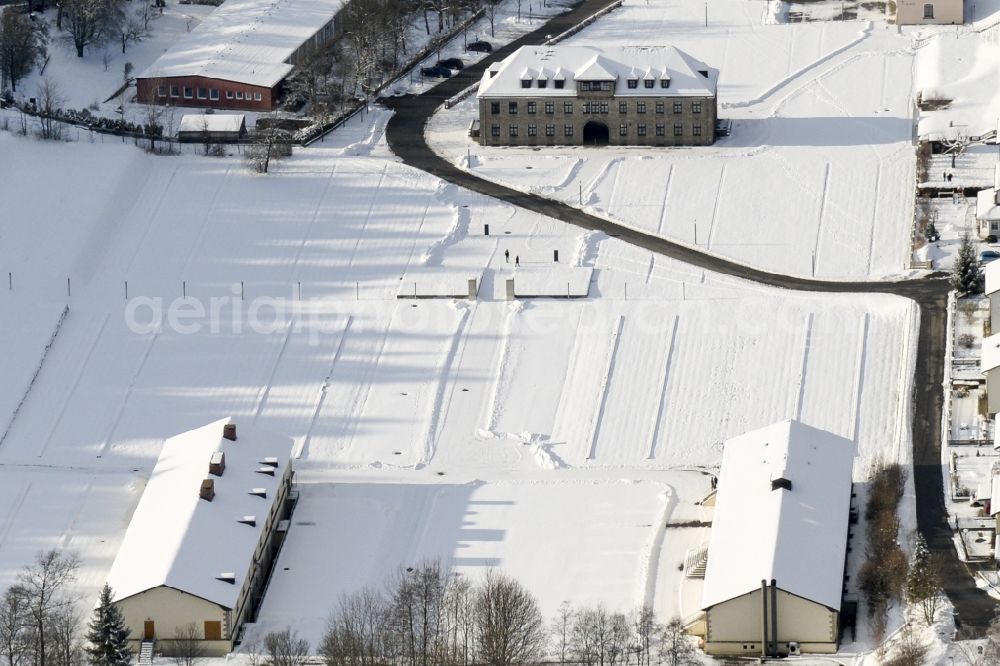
[{"x": 405, "y": 136}]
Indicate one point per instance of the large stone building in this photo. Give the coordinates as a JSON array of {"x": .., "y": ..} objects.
[
  {"x": 585, "y": 95},
  {"x": 201, "y": 543},
  {"x": 774, "y": 577},
  {"x": 241, "y": 54}
]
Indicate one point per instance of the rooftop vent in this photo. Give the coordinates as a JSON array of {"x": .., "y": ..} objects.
[
  {"x": 259, "y": 492},
  {"x": 273, "y": 462},
  {"x": 248, "y": 520},
  {"x": 703, "y": 72},
  {"x": 229, "y": 432},
  {"x": 227, "y": 577},
  {"x": 781, "y": 482},
  {"x": 207, "y": 491},
  {"x": 217, "y": 464},
  {"x": 269, "y": 471}
]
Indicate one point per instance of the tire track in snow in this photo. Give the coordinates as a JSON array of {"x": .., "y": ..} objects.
[
  {"x": 875, "y": 201},
  {"x": 652, "y": 559},
  {"x": 264, "y": 393},
  {"x": 438, "y": 405},
  {"x": 715, "y": 208},
  {"x": 666, "y": 196},
  {"x": 312, "y": 220},
  {"x": 822, "y": 214},
  {"x": 859, "y": 382},
  {"x": 206, "y": 221},
  {"x": 806, "y": 343},
  {"x": 76, "y": 383},
  {"x": 368, "y": 218},
  {"x": 606, "y": 385},
  {"x": 503, "y": 361},
  {"x": 14, "y": 511},
  {"x": 664, "y": 381},
  {"x": 357, "y": 410},
  {"x": 303, "y": 446},
  {"x": 67, "y": 535},
  {"x": 128, "y": 395}
]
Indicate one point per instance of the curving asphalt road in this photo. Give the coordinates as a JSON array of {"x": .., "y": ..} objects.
[{"x": 974, "y": 609}]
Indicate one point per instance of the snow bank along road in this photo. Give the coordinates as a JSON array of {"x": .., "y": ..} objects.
[{"x": 405, "y": 135}]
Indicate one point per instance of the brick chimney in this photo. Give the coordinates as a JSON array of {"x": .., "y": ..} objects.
[
  {"x": 207, "y": 491},
  {"x": 229, "y": 431}
]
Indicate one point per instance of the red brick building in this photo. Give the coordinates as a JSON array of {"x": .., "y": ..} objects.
[{"x": 241, "y": 54}]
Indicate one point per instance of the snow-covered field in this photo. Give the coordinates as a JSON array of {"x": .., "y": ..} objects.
[
  {"x": 817, "y": 176},
  {"x": 526, "y": 435}
]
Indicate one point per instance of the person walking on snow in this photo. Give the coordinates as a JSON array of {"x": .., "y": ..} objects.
[
  {"x": 517, "y": 261},
  {"x": 506, "y": 256}
]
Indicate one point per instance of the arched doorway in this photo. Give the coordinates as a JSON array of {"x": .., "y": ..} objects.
[{"x": 595, "y": 133}]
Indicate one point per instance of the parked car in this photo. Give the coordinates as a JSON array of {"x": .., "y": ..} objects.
[
  {"x": 986, "y": 256},
  {"x": 437, "y": 71},
  {"x": 480, "y": 47},
  {"x": 451, "y": 63}
]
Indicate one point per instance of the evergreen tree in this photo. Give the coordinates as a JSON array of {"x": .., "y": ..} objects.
[
  {"x": 966, "y": 278},
  {"x": 108, "y": 635},
  {"x": 931, "y": 232}
]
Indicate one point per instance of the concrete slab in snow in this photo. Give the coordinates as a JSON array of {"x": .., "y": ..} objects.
[
  {"x": 553, "y": 281},
  {"x": 439, "y": 282}
]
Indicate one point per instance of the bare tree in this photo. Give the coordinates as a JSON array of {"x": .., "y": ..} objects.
[
  {"x": 23, "y": 44},
  {"x": 45, "y": 585},
  {"x": 271, "y": 142},
  {"x": 492, "y": 8},
  {"x": 676, "y": 648},
  {"x": 15, "y": 627},
  {"x": 357, "y": 631},
  {"x": 509, "y": 627},
  {"x": 64, "y": 627},
  {"x": 417, "y": 602},
  {"x": 252, "y": 647},
  {"x": 285, "y": 648},
  {"x": 186, "y": 647},
  {"x": 50, "y": 100},
  {"x": 562, "y": 625},
  {"x": 87, "y": 21}
]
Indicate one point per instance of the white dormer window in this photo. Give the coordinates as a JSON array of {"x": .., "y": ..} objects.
[
  {"x": 525, "y": 83},
  {"x": 633, "y": 83},
  {"x": 542, "y": 83},
  {"x": 665, "y": 82},
  {"x": 648, "y": 83}
]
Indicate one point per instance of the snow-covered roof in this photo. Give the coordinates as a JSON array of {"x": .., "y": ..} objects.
[
  {"x": 591, "y": 63},
  {"x": 991, "y": 271},
  {"x": 986, "y": 205},
  {"x": 176, "y": 539},
  {"x": 994, "y": 492},
  {"x": 245, "y": 41},
  {"x": 211, "y": 122},
  {"x": 763, "y": 530},
  {"x": 990, "y": 357}
]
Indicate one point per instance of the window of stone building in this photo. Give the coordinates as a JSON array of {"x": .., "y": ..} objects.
[
  {"x": 605, "y": 107},
  {"x": 525, "y": 83},
  {"x": 494, "y": 108},
  {"x": 678, "y": 107},
  {"x": 659, "y": 107},
  {"x": 512, "y": 107},
  {"x": 640, "y": 129},
  {"x": 633, "y": 83},
  {"x": 640, "y": 107},
  {"x": 532, "y": 130},
  {"x": 550, "y": 130},
  {"x": 512, "y": 130},
  {"x": 623, "y": 130},
  {"x": 550, "y": 108},
  {"x": 567, "y": 107},
  {"x": 567, "y": 130},
  {"x": 542, "y": 83},
  {"x": 696, "y": 130},
  {"x": 532, "y": 107},
  {"x": 648, "y": 83},
  {"x": 660, "y": 129},
  {"x": 622, "y": 107},
  {"x": 678, "y": 130},
  {"x": 664, "y": 83},
  {"x": 495, "y": 130},
  {"x": 695, "y": 107}
]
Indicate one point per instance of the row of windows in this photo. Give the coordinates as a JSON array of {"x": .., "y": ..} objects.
[
  {"x": 592, "y": 107},
  {"x": 207, "y": 93},
  {"x": 640, "y": 130},
  {"x": 648, "y": 83},
  {"x": 544, "y": 83}
]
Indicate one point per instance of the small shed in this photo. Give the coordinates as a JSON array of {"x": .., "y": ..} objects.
[
  {"x": 212, "y": 127},
  {"x": 988, "y": 206}
]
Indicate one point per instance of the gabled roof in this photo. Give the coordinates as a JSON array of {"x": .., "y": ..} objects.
[
  {"x": 212, "y": 122},
  {"x": 245, "y": 41},
  {"x": 175, "y": 539},
  {"x": 986, "y": 205},
  {"x": 990, "y": 358},
  {"x": 592, "y": 63},
  {"x": 782, "y": 513}
]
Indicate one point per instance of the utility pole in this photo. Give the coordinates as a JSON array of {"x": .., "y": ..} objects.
[{"x": 706, "y": 14}]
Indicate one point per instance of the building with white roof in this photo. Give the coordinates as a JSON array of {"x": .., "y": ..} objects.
[
  {"x": 575, "y": 95},
  {"x": 988, "y": 206},
  {"x": 239, "y": 56},
  {"x": 930, "y": 12},
  {"x": 991, "y": 273},
  {"x": 212, "y": 127},
  {"x": 203, "y": 537},
  {"x": 774, "y": 577},
  {"x": 989, "y": 365}
]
